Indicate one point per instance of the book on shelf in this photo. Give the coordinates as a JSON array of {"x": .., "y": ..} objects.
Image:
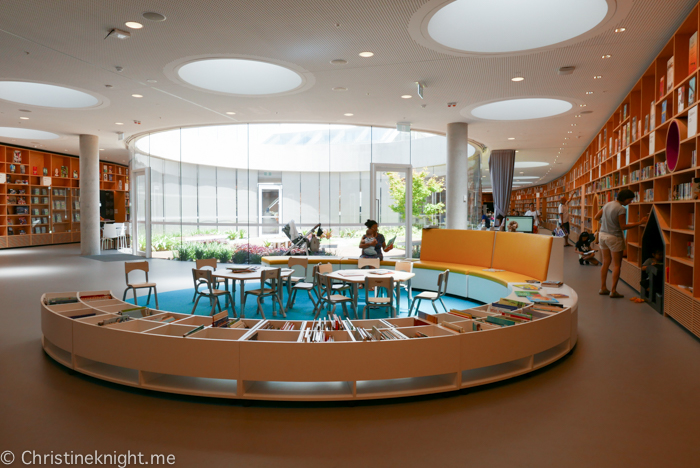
[
  {"x": 691, "y": 91},
  {"x": 652, "y": 116},
  {"x": 693, "y": 53},
  {"x": 693, "y": 122},
  {"x": 669, "y": 75},
  {"x": 681, "y": 99},
  {"x": 624, "y": 112},
  {"x": 662, "y": 86},
  {"x": 663, "y": 111}
]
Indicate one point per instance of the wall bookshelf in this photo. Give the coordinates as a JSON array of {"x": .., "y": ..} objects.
[
  {"x": 40, "y": 196},
  {"x": 649, "y": 145}
]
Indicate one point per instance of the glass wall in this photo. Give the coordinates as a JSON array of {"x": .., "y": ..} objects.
[{"x": 238, "y": 185}]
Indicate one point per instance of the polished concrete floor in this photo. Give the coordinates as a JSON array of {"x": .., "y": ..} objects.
[{"x": 627, "y": 396}]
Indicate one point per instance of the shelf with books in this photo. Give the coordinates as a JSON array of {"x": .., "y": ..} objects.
[
  {"x": 663, "y": 100},
  {"x": 426, "y": 354},
  {"x": 32, "y": 176}
]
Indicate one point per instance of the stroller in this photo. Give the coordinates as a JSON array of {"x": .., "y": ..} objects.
[{"x": 308, "y": 242}]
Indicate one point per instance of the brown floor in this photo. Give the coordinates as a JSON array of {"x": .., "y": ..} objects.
[{"x": 627, "y": 396}]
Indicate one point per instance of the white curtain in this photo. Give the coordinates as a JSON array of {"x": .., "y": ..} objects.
[{"x": 501, "y": 167}]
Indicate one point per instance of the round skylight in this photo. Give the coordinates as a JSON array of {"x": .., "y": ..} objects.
[
  {"x": 26, "y": 134},
  {"x": 522, "y": 109},
  {"x": 520, "y": 25},
  {"x": 530, "y": 164},
  {"x": 239, "y": 76},
  {"x": 45, "y": 95}
]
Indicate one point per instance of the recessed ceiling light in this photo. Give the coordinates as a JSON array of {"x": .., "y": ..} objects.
[
  {"x": 137, "y": 95},
  {"x": 340, "y": 88},
  {"x": 133, "y": 25},
  {"x": 348, "y": 114},
  {"x": 589, "y": 92},
  {"x": 530, "y": 25},
  {"x": 521, "y": 109},
  {"x": 240, "y": 76},
  {"x": 153, "y": 16},
  {"x": 24, "y": 118},
  {"x": 26, "y": 134},
  {"x": 606, "y": 56},
  {"x": 511, "y": 138},
  {"x": 582, "y": 105},
  {"x": 619, "y": 30},
  {"x": 339, "y": 62},
  {"x": 577, "y": 115},
  {"x": 597, "y": 77},
  {"x": 573, "y": 125},
  {"x": 230, "y": 113},
  {"x": 366, "y": 54},
  {"x": 570, "y": 131},
  {"x": 517, "y": 78},
  {"x": 45, "y": 95},
  {"x": 118, "y": 123},
  {"x": 406, "y": 96}
]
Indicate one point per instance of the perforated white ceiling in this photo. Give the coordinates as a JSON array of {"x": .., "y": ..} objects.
[{"x": 63, "y": 43}]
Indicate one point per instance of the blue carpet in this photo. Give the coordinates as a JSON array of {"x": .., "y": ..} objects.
[{"x": 181, "y": 301}]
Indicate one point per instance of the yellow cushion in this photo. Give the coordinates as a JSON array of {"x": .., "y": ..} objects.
[
  {"x": 501, "y": 277},
  {"x": 442, "y": 266},
  {"x": 283, "y": 260},
  {"x": 527, "y": 254},
  {"x": 457, "y": 246}
]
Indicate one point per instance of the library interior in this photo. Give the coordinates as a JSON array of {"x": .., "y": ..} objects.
[{"x": 207, "y": 231}]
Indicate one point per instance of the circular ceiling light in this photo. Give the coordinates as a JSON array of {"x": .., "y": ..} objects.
[
  {"x": 153, "y": 16},
  {"x": 240, "y": 76},
  {"x": 26, "y": 134},
  {"x": 137, "y": 95},
  {"x": 133, "y": 25},
  {"x": 517, "y": 78},
  {"x": 45, "y": 95},
  {"x": 521, "y": 25},
  {"x": 520, "y": 164},
  {"x": 348, "y": 114},
  {"x": 521, "y": 109},
  {"x": 230, "y": 113},
  {"x": 366, "y": 54},
  {"x": 340, "y": 88},
  {"x": 406, "y": 96}
]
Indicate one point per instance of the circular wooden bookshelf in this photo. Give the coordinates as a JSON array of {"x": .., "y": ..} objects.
[{"x": 261, "y": 362}]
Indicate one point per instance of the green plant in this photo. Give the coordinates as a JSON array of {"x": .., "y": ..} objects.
[
  {"x": 185, "y": 252},
  {"x": 423, "y": 187}
]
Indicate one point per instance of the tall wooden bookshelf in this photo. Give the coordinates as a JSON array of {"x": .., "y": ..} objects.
[
  {"x": 649, "y": 145},
  {"x": 40, "y": 196}
]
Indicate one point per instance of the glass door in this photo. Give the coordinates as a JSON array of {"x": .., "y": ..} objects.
[
  {"x": 269, "y": 209},
  {"x": 391, "y": 205},
  {"x": 141, "y": 219}
]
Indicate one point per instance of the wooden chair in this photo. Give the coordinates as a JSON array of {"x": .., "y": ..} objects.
[
  {"x": 379, "y": 283},
  {"x": 205, "y": 277},
  {"x": 270, "y": 286},
  {"x": 372, "y": 263},
  {"x": 408, "y": 268},
  {"x": 325, "y": 268},
  {"x": 299, "y": 283},
  {"x": 327, "y": 299},
  {"x": 142, "y": 266},
  {"x": 302, "y": 262},
  {"x": 433, "y": 296},
  {"x": 203, "y": 264}
]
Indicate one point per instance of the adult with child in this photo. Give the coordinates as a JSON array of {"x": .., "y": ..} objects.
[
  {"x": 586, "y": 255},
  {"x": 611, "y": 238},
  {"x": 373, "y": 243}
]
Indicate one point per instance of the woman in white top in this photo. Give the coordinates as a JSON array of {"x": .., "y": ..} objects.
[
  {"x": 535, "y": 217},
  {"x": 611, "y": 238}
]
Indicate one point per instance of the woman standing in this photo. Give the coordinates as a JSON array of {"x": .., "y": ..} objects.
[
  {"x": 372, "y": 242},
  {"x": 611, "y": 238}
]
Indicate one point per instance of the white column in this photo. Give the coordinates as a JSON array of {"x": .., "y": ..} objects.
[
  {"x": 89, "y": 195},
  {"x": 457, "y": 178}
]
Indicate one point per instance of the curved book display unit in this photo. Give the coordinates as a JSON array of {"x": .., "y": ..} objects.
[{"x": 258, "y": 360}]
